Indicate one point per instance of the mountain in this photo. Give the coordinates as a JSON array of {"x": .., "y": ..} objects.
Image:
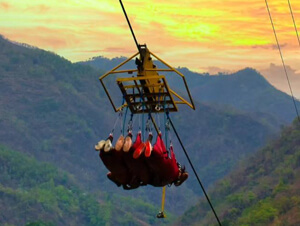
[
  {"x": 37, "y": 193},
  {"x": 245, "y": 90},
  {"x": 56, "y": 111},
  {"x": 263, "y": 190}
]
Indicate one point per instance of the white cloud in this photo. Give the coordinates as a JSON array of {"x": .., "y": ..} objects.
[{"x": 275, "y": 74}]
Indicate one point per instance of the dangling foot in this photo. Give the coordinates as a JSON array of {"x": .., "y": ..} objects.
[
  {"x": 100, "y": 145},
  {"x": 108, "y": 145},
  {"x": 148, "y": 148},
  {"x": 128, "y": 142},
  {"x": 182, "y": 177},
  {"x": 140, "y": 149},
  {"x": 120, "y": 143}
]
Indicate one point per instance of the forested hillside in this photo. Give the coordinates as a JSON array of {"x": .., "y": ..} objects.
[
  {"x": 56, "y": 111},
  {"x": 32, "y": 191},
  {"x": 264, "y": 190}
]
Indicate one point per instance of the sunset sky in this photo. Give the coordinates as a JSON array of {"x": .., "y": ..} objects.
[{"x": 205, "y": 36}]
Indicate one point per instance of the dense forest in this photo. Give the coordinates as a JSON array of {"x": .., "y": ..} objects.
[
  {"x": 263, "y": 190},
  {"x": 38, "y": 192}
]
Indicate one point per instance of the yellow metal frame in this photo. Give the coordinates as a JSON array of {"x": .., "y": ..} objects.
[{"x": 147, "y": 79}]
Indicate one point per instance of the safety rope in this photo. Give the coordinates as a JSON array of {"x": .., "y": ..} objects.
[
  {"x": 191, "y": 164},
  {"x": 117, "y": 120},
  {"x": 292, "y": 14},
  {"x": 281, "y": 56},
  {"x": 124, "y": 120},
  {"x": 130, "y": 123}
]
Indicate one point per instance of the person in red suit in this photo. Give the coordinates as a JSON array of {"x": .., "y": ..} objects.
[
  {"x": 137, "y": 167},
  {"x": 165, "y": 170},
  {"x": 132, "y": 170}
]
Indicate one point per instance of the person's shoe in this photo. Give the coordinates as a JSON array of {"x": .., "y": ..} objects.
[
  {"x": 140, "y": 149},
  {"x": 148, "y": 149},
  {"x": 127, "y": 143},
  {"x": 120, "y": 143},
  {"x": 100, "y": 145},
  {"x": 108, "y": 145},
  {"x": 138, "y": 140},
  {"x": 183, "y": 177}
]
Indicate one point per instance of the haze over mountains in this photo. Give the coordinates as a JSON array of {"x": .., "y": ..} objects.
[{"x": 55, "y": 111}]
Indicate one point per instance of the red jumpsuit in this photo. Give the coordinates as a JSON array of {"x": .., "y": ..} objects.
[
  {"x": 164, "y": 170},
  {"x": 137, "y": 167}
]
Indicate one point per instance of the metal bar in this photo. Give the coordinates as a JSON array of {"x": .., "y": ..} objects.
[
  {"x": 181, "y": 98},
  {"x": 168, "y": 90},
  {"x": 123, "y": 71},
  {"x": 146, "y": 85},
  {"x": 178, "y": 72},
  {"x": 180, "y": 102},
  {"x": 148, "y": 95},
  {"x": 163, "y": 199},
  {"x": 165, "y": 63},
  {"x": 120, "y": 65},
  {"x": 127, "y": 99},
  {"x": 135, "y": 40},
  {"x": 188, "y": 91},
  {"x": 108, "y": 95},
  {"x": 141, "y": 78}
]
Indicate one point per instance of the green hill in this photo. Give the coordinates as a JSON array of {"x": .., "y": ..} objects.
[
  {"x": 32, "y": 191},
  {"x": 56, "y": 111},
  {"x": 263, "y": 190},
  {"x": 246, "y": 90}
]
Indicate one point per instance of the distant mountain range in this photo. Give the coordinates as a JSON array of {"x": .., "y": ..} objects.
[
  {"x": 263, "y": 190},
  {"x": 56, "y": 111}
]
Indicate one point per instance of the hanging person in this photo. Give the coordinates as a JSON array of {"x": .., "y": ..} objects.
[
  {"x": 164, "y": 170},
  {"x": 114, "y": 162},
  {"x": 137, "y": 167}
]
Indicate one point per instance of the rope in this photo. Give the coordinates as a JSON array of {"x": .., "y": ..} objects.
[
  {"x": 130, "y": 123},
  {"x": 292, "y": 14},
  {"x": 118, "y": 117},
  {"x": 143, "y": 123},
  {"x": 286, "y": 74},
  {"x": 133, "y": 35},
  {"x": 191, "y": 164},
  {"x": 124, "y": 120}
]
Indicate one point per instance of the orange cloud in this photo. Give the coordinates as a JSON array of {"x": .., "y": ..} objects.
[
  {"x": 199, "y": 34},
  {"x": 5, "y": 5}
]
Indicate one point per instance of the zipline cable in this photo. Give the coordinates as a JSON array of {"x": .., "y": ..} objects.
[
  {"x": 286, "y": 74},
  {"x": 135, "y": 40},
  {"x": 190, "y": 162},
  {"x": 292, "y": 14}
]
